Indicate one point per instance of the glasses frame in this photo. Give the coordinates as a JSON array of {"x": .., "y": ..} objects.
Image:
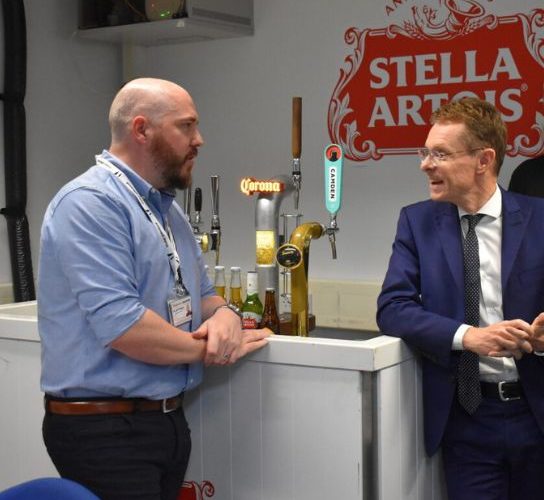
[{"x": 440, "y": 156}]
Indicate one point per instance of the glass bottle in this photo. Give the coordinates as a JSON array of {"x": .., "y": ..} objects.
[
  {"x": 252, "y": 309},
  {"x": 270, "y": 319},
  {"x": 235, "y": 296},
  {"x": 220, "y": 280}
]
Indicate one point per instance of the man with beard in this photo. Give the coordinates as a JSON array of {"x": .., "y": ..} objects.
[{"x": 126, "y": 312}]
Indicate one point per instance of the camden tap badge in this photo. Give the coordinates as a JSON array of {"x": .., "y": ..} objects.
[{"x": 396, "y": 76}]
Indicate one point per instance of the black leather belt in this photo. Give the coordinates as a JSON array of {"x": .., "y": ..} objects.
[
  {"x": 505, "y": 391},
  {"x": 111, "y": 406}
]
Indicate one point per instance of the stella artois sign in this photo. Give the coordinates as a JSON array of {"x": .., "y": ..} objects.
[{"x": 398, "y": 75}]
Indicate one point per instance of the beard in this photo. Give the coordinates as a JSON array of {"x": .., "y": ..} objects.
[{"x": 173, "y": 168}]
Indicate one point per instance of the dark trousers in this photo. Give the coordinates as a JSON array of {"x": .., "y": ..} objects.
[
  {"x": 139, "y": 456},
  {"x": 495, "y": 454}
]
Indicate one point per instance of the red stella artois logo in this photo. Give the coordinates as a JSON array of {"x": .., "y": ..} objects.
[{"x": 398, "y": 75}]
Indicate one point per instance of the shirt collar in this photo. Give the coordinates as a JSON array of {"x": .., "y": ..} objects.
[
  {"x": 161, "y": 199},
  {"x": 493, "y": 206}
]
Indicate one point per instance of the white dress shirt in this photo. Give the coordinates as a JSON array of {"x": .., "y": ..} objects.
[{"x": 489, "y": 234}]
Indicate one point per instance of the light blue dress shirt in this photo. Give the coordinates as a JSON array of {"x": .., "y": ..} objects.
[{"x": 102, "y": 264}]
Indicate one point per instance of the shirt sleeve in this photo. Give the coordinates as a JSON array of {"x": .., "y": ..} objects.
[
  {"x": 457, "y": 344},
  {"x": 94, "y": 248}
]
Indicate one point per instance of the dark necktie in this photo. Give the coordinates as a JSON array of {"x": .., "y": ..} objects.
[{"x": 469, "y": 391}]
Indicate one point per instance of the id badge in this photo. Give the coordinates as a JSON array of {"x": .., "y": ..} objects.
[{"x": 179, "y": 309}]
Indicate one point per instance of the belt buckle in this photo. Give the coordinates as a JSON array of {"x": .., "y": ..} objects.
[
  {"x": 501, "y": 393},
  {"x": 164, "y": 405}
]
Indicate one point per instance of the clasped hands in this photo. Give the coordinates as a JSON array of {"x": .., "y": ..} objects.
[
  {"x": 226, "y": 342},
  {"x": 511, "y": 338}
]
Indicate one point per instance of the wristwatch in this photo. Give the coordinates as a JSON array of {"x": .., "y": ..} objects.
[{"x": 232, "y": 307}]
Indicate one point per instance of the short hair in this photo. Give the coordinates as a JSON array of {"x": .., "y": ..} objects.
[{"x": 484, "y": 124}]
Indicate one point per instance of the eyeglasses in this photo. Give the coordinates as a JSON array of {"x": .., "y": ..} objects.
[{"x": 438, "y": 156}]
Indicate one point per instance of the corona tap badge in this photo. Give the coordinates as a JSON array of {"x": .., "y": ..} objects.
[{"x": 250, "y": 185}]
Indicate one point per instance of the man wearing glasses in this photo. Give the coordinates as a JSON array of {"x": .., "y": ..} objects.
[{"x": 465, "y": 288}]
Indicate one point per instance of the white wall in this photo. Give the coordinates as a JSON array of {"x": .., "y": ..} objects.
[
  {"x": 70, "y": 84},
  {"x": 243, "y": 89}
]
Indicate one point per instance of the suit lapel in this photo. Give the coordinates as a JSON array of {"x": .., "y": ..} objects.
[
  {"x": 449, "y": 232},
  {"x": 514, "y": 225}
]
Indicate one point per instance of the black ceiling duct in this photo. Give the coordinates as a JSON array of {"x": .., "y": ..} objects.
[{"x": 15, "y": 149}]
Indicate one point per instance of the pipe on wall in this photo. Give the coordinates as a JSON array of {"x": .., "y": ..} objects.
[{"x": 15, "y": 149}]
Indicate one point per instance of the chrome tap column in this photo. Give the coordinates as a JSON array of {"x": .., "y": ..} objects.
[{"x": 268, "y": 238}]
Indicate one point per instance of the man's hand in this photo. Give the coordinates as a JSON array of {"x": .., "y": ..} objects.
[
  {"x": 503, "y": 339},
  {"x": 251, "y": 341},
  {"x": 223, "y": 331},
  {"x": 537, "y": 337}
]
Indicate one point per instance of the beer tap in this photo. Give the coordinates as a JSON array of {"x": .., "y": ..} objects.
[
  {"x": 296, "y": 147},
  {"x": 201, "y": 238},
  {"x": 295, "y": 256},
  {"x": 333, "y": 159},
  {"x": 198, "y": 209},
  {"x": 215, "y": 231}
]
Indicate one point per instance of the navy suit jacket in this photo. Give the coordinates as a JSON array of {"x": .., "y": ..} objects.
[{"x": 422, "y": 298}]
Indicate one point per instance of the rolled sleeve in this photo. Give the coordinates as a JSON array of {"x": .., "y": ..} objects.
[{"x": 95, "y": 249}]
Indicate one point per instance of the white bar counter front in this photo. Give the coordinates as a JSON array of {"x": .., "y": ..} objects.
[{"x": 302, "y": 419}]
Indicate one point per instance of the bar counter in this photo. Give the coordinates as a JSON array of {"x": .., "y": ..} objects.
[{"x": 303, "y": 418}]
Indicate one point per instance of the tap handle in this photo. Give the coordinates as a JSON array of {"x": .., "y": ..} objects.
[
  {"x": 297, "y": 127},
  {"x": 215, "y": 232},
  {"x": 198, "y": 200},
  {"x": 333, "y": 159},
  {"x": 297, "y": 147},
  {"x": 215, "y": 202}
]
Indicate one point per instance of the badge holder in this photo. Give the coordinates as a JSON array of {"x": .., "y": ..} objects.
[{"x": 179, "y": 306}]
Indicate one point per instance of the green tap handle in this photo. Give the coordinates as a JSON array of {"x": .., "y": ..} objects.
[{"x": 334, "y": 159}]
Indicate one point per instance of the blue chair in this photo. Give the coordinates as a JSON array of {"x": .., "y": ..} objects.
[{"x": 48, "y": 488}]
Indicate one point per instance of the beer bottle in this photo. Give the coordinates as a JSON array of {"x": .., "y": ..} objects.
[
  {"x": 270, "y": 319},
  {"x": 235, "y": 297},
  {"x": 220, "y": 280},
  {"x": 252, "y": 309}
]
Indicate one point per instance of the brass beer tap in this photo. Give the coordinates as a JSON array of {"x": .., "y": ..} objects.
[{"x": 295, "y": 256}]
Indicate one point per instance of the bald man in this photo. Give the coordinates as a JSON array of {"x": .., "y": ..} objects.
[{"x": 126, "y": 312}]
